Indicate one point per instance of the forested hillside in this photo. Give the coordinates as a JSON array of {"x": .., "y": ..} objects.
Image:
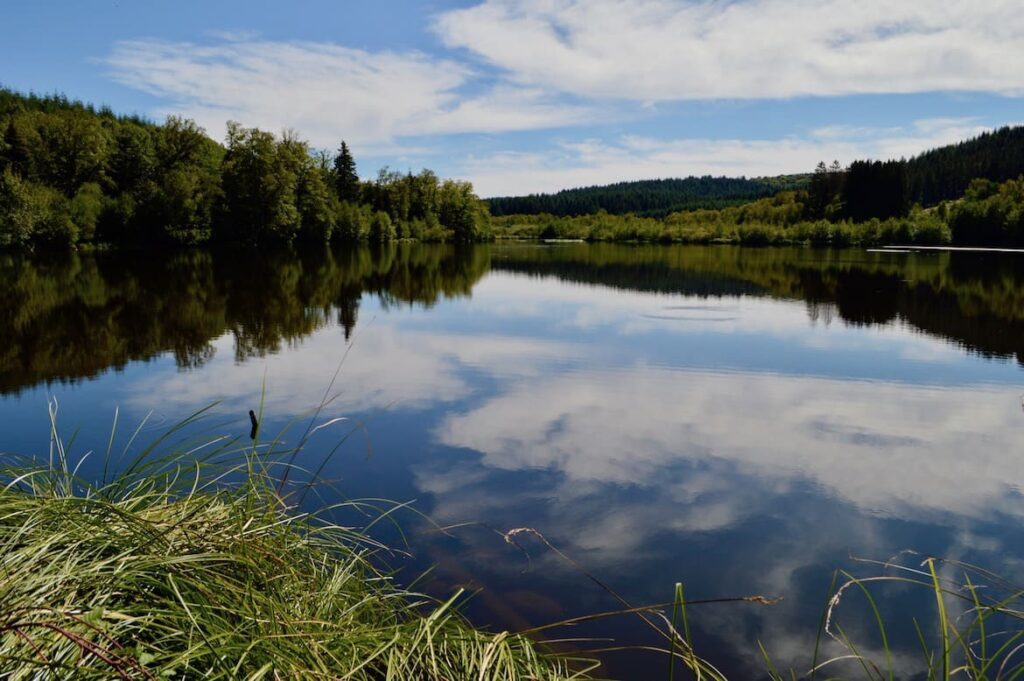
[
  {"x": 944, "y": 174},
  {"x": 650, "y": 198},
  {"x": 72, "y": 174},
  {"x": 888, "y": 189},
  {"x": 865, "y": 190}
]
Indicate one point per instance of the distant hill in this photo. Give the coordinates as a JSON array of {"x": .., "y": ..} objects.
[{"x": 650, "y": 198}]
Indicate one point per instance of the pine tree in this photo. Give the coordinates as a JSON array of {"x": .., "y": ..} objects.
[{"x": 346, "y": 181}]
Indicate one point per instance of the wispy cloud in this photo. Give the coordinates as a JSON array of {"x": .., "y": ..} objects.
[
  {"x": 658, "y": 50},
  {"x": 327, "y": 91}
]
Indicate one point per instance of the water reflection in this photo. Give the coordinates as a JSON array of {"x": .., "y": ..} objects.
[
  {"x": 73, "y": 317},
  {"x": 973, "y": 299},
  {"x": 738, "y": 419}
]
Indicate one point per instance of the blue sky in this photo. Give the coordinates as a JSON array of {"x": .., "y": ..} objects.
[{"x": 537, "y": 95}]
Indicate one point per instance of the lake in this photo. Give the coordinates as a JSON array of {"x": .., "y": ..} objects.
[{"x": 741, "y": 420}]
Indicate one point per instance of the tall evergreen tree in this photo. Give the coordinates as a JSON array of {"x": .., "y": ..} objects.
[{"x": 346, "y": 181}]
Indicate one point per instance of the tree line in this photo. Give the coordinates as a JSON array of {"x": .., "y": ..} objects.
[
  {"x": 648, "y": 198},
  {"x": 71, "y": 174},
  {"x": 966, "y": 193},
  {"x": 969, "y": 194}
]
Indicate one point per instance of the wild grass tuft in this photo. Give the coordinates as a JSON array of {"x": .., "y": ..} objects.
[
  {"x": 185, "y": 561},
  {"x": 975, "y": 629}
]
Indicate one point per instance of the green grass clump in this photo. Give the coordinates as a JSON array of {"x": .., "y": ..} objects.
[{"x": 190, "y": 563}]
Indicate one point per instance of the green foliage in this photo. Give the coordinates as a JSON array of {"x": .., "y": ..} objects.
[
  {"x": 68, "y": 148},
  {"x": 990, "y": 214},
  {"x": 128, "y": 181},
  {"x": 179, "y": 206},
  {"x": 260, "y": 181},
  {"x": 19, "y": 214},
  {"x": 85, "y": 208},
  {"x": 460, "y": 211},
  {"x": 17, "y": 155},
  {"x": 171, "y": 184},
  {"x": 824, "y": 195},
  {"x": 873, "y": 189},
  {"x": 353, "y": 222},
  {"x": 318, "y": 206},
  {"x": 381, "y": 227},
  {"x": 32, "y": 214},
  {"x": 133, "y": 162}
]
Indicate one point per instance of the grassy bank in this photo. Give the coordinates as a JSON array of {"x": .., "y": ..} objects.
[{"x": 189, "y": 562}]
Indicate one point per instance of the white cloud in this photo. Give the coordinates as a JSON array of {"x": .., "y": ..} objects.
[
  {"x": 569, "y": 63},
  {"x": 658, "y": 50},
  {"x": 327, "y": 91},
  {"x": 633, "y": 157}
]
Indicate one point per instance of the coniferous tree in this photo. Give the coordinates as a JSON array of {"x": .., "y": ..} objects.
[{"x": 346, "y": 180}]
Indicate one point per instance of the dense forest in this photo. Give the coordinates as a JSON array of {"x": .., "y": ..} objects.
[
  {"x": 944, "y": 174},
  {"x": 71, "y": 174},
  {"x": 648, "y": 198}
]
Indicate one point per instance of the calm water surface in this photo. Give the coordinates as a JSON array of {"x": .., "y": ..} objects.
[{"x": 740, "y": 420}]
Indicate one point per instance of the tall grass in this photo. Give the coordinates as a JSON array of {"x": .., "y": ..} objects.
[
  {"x": 973, "y": 630},
  {"x": 185, "y": 561}
]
